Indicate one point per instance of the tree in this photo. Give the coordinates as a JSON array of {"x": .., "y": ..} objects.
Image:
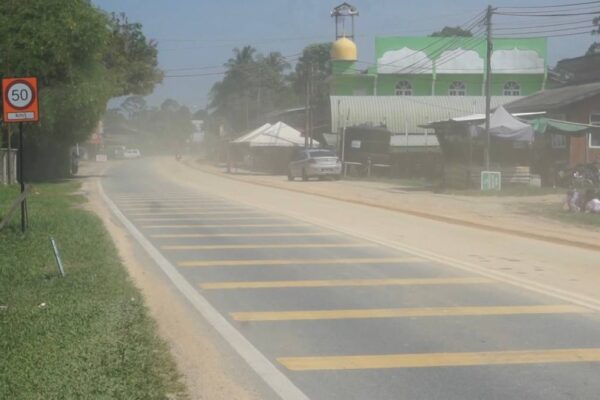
[
  {"x": 71, "y": 47},
  {"x": 315, "y": 62},
  {"x": 254, "y": 84},
  {"x": 450, "y": 31},
  {"x": 595, "y": 47},
  {"x": 131, "y": 58}
]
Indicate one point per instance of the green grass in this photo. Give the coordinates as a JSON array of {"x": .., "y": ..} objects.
[{"x": 93, "y": 339}]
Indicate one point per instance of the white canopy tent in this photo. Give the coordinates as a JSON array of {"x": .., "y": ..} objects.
[
  {"x": 248, "y": 136},
  {"x": 278, "y": 135},
  {"x": 504, "y": 125}
]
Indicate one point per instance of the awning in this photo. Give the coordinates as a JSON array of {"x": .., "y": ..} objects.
[{"x": 544, "y": 125}]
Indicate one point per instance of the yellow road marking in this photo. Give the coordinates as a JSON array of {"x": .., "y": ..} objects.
[
  {"x": 430, "y": 360},
  {"x": 266, "y": 246},
  {"x": 405, "y": 312},
  {"x": 233, "y": 235},
  {"x": 190, "y": 213},
  {"x": 203, "y": 218},
  {"x": 223, "y": 226},
  {"x": 344, "y": 282},
  {"x": 299, "y": 261}
]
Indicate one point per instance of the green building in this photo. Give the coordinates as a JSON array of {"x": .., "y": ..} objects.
[{"x": 439, "y": 66}]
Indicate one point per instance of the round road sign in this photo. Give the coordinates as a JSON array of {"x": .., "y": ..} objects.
[{"x": 20, "y": 94}]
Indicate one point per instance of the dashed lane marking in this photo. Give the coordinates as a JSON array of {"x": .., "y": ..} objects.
[
  {"x": 267, "y": 246},
  {"x": 187, "y": 209},
  {"x": 211, "y": 218},
  {"x": 196, "y": 226},
  {"x": 431, "y": 360},
  {"x": 235, "y": 235},
  {"x": 405, "y": 312},
  {"x": 343, "y": 282},
  {"x": 192, "y": 213},
  {"x": 297, "y": 261}
]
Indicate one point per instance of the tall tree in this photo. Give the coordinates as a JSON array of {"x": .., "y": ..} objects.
[
  {"x": 314, "y": 64},
  {"x": 254, "y": 84},
  {"x": 449, "y": 31},
  {"x": 595, "y": 47},
  {"x": 69, "y": 45}
]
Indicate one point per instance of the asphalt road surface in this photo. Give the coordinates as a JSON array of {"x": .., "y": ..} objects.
[{"x": 346, "y": 318}]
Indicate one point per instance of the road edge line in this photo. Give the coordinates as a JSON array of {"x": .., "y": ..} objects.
[{"x": 273, "y": 377}]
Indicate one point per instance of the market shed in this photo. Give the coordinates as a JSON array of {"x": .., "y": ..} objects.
[
  {"x": 522, "y": 147},
  {"x": 576, "y": 104},
  {"x": 268, "y": 148}
]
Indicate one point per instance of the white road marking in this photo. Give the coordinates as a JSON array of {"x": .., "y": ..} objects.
[{"x": 257, "y": 361}]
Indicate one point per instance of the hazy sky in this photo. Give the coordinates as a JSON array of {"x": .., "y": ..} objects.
[{"x": 197, "y": 36}]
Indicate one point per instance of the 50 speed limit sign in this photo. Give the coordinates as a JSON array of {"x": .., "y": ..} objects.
[{"x": 20, "y": 99}]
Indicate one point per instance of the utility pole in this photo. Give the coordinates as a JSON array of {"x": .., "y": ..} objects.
[
  {"x": 8, "y": 156},
  {"x": 310, "y": 109},
  {"x": 307, "y": 107},
  {"x": 488, "y": 85}
]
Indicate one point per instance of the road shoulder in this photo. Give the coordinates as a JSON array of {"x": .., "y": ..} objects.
[{"x": 211, "y": 370}]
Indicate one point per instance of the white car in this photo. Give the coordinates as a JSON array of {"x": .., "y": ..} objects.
[
  {"x": 132, "y": 153},
  {"x": 315, "y": 163}
]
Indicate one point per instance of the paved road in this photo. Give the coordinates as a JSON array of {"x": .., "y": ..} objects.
[{"x": 345, "y": 318}]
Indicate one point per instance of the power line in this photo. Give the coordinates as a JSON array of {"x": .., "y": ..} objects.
[
  {"x": 513, "y": 14},
  {"x": 544, "y": 31},
  {"x": 551, "y": 5},
  {"x": 513, "y": 27},
  {"x": 585, "y": 32}
]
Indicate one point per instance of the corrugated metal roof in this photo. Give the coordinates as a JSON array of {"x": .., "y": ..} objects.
[
  {"x": 555, "y": 99},
  {"x": 404, "y": 114}
]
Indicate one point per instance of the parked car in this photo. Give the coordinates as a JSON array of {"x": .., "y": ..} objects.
[
  {"x": 132, "y": 153},
  {"x": 314, "y": 163}
]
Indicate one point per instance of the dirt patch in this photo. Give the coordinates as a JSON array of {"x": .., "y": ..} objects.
[{"x": 206, "y": 371}]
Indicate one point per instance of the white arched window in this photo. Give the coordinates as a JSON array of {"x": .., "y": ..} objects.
[
  {"x": 457, "y": 88},
  {"x": 404, "y": 88},
  {"x": 511, "y": 88}
]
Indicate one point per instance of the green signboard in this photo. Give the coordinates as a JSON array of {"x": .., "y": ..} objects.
[{"x": 491, "y": 180}]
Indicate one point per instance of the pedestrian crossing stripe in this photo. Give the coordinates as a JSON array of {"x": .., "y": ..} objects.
[
  {"x": 405, "y": 313},
  {"x": 434, "y": 360}
]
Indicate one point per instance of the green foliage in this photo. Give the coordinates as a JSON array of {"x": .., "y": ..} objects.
[
  {"x": 253, "y": 86},
  {"x": 449, "y": 31},
  {"x": 93, "y": 338},
  {"x": 82, "y": 57},
  {"x": 315, "y": 62},
  {"x": 154, "y": 129},
  {"x": 595, "y": 47},
  {"x": 131, "y": 58}
]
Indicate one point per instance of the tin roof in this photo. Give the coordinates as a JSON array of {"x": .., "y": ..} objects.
[
  {"x": 404, "y": 114},
  {"x": 555, "y": 99}
]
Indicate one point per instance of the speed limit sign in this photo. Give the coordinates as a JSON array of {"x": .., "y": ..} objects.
[{"x": 20, "y": 99}]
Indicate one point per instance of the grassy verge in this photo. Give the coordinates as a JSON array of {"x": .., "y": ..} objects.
[
  {"x": 555, "y": 212},
  {"x": 509, "y": 191},
  {"x": 85, "y": 336}
]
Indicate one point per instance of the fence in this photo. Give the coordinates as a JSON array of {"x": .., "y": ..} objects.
[{"x": 4, "y": 166}]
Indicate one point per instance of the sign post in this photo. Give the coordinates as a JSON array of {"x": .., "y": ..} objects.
[
  {"x": 491, "y": 180},
  {"x": 20, "y": 103}
]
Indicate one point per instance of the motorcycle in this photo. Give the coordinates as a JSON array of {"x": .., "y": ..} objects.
[{"x": 582, "y": 175}]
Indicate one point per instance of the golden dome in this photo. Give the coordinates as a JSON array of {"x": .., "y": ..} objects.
[{"x": 343, "y": 49}]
